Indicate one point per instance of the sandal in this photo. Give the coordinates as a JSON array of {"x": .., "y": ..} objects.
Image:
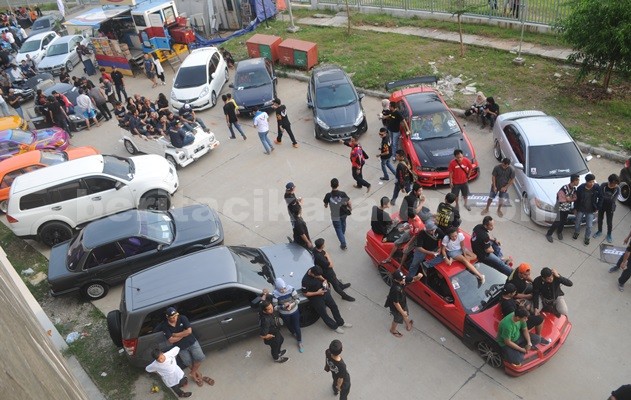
[
  {"x": 397, "y": 334},
  {"x": 208, "y": 380},
  {"x": 199, "y": 382},
  {"x": 410, "y": 326}
]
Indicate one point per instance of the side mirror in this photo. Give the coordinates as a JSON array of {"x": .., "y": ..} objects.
[
  {"x": 160, "y": 247},
  {"x": 118, "y": 185},
  {"x": 212, "y": 76},
  {"x": 519, "y": 165},
  {"x": 361, "y": 96},
  {"x": 256, "y": 302},
  {"x": 309, "y": 104}
]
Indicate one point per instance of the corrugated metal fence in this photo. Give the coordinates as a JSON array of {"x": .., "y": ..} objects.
[{"x": 545, "y": 12}]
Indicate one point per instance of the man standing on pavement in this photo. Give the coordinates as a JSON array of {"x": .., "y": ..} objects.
[
  {"x": 565, "y": 197},
  {"x": 119, "y": 84},
  {"x": 340, "y": 206},
  {"x": 397, "y": 302},
  {"x": 87, "y": 104},
  {"x": 623, "y": 263},
  {"x": 447, "y": 216},
  {"x": 385, "y": 152},
  {"x": 178, "y": 332},
  {"x": 322, "y": 259},
  {"x": 283, "y": 122},
  {"x": 502, "y": 178},
  {"x": 393, "y": 122},
  {"x": 404, "y": 177},
  {"x": 316, "y": 289},
  {"x": 336, "y": 365},
  {"x": 358, "y": 159},
  {"x": 229, "y": 110},
  {"x": 586, "y": 204},
  {"x": 460, "y": 169},
  {"x": 261, "y": 122},
  {"x": 294, "y": 204},
  {"x": 548, "y": 287},
  {"x": 487, "y": 248},
  {"x": 270, "y": 332},
  {"x": 513, "y": 337},
  {"x": 607, "y": 205}
]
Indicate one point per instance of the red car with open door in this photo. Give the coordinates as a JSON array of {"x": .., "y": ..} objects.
[
  {"x": 469, "y": 309},
  {"x": 430, "y": 132}
]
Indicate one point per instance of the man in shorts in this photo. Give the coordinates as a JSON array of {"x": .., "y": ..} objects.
[
  {"x": 87, "y": 105},
  {"x": 460, "y": 169},
  {"x": 502, "y": 178},
  {"x": 398, "y": 304}
]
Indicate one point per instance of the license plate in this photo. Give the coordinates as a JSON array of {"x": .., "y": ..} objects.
[
  {"x": 447, "y": 181},
  {"x": 200, "y": 148}
]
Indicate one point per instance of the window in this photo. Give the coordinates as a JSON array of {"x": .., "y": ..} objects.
[
  {"x": 231, "y": 299},
  {"x": 97, "y": 184},
  {"x": 194, "y": 309},
  {"x": 8, "y": 179},
  {"x": 139, "y": 20},
  {"x": 34, "y": 200},
  {"x": 47, "y": 40},
  {"x": 67, "y": 191},
  {"x": 212, "y": 65},
  {"x": 103, "y": 255},
  {"x": 514, "y": 140},
  {"x": 137, "y": 245}
]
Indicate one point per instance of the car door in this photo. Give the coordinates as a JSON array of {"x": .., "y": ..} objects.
[
  {"x": 212, "y": 68},
  {"x": 221, "y": 74},
  {"x": 65, "y": 199},
  {"x": 236, "y": 316},
  {"x": 514, "y": 149},
  {"x": 205, "y": 320},
  {"x": 104, "y": 263},
  {"x": 269, "y": 67},
  {"x": 102, "y": 198},
  {"x": 73, "y": 56},
  {"x": 141, "y": 252}
]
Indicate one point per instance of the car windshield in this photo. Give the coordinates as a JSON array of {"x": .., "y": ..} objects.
[
  {"x": 30, "y": 45},
  {"x": 252, "y": 266},
  {"x": 157, "y": 226},
  {"x": 57, "y": 49},
  {"x": 252, "y": 79},
  {"x": 119, "y": 167},
  {"x": 188, "y": 77},
  {"x": 41, "y": 24},
  {"x": 21, "y": 136},
  {"x": 555, "y": 161},
  {"x": 475, "y": 297},
  {"x": 52, "y": 157},
  {"x": 431, "y": 126},
  {"x": 75, "y": 252},
  {"x": 334, "y": 96}
]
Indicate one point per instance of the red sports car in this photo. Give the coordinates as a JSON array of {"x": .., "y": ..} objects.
[
  {"x": 453, "y": 295},
  {"x": 17, "y": 141},
  {"x": 430, "y": 132}
]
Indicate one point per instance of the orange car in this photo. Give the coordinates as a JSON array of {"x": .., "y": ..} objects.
[{"x": 32, "y": 160}]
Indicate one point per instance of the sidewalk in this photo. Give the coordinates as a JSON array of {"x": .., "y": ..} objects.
[{"x": 339, "y": 20}]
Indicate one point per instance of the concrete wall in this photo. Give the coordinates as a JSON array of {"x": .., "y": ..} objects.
[{"x": 33, "y": 365}]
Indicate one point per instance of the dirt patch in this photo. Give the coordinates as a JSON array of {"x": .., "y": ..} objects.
[{"x": 596, "y": 92}]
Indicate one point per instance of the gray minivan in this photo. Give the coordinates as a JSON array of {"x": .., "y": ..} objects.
[{"x": 216, "y": 289}]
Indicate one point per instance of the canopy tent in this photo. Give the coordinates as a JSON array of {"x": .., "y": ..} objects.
[{"x": 95, "y": 16}]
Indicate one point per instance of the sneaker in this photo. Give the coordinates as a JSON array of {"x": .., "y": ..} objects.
[
  {"x": 295, "y": 145},
  {"x": 621, "y": 287},
  {"x": 392, "y": 203},
  {"x": 233, "y": 137},
  {"x": 549, "y": 238},
  {"x": 348, "y": 298},
  {"x": 347, "y": 325},
  {"x": 282, "y": 352},
  {"x": 613, "y": 269},
  {"x": 597, "y": 234},
  {"x": 586, "y": 242},
  {"x": 575, "y": 235},
  {"x": 609, "y": 239},
  {"x": 301, "y": 348},
  {"x": 346, "y": 285},
  {"x": 281, "y": 360},
  {"x": 560, "y": 236},
  {"x": 545, "y": 341},
  {"x": 339, "y": 330},
  {"x": 383, "y": 178},
  {"x": 468, "y": 207},
  {"x": 335, "y": 391},
  {"x": 186, "y": 394},
  {"x": 277, "y": 141},
  {"x": 343, "y": 247}
]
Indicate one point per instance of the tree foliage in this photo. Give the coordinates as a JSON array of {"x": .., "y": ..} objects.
[
  {"x": 599, "y": 32},
  {"x": 459, "y": 8}
]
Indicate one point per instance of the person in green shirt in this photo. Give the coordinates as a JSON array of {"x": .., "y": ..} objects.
[{"x": 514, "y": 338}]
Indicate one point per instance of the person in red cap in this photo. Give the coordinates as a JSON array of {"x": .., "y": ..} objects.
[{"x": 520, "y": 278}]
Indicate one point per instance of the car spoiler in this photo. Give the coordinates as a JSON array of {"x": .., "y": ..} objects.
[{"x": 422, "y": 80}]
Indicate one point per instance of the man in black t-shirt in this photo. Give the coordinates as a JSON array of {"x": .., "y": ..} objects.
[
  {"x": 623, "y": 262},
  {"x": 397, "y": 301},
  {"x": 58, "y": 114},
  {"x": 119, "y": 83},
  {"x": 283, "y": 122},
  {"x": 447, "y": 215},
  {"x": 270, "y": 332},
  {"x": 385, "y": 152},
  {"x": 336, "y": 365},
  {"x": 393, "y": 123},
  {"x": 380, "y": 221},
  {"x": 64, "y": 76},
  {"x": 340, "y": 206},
  {"x": 230, "y": 111},
  {"x": 323, "y": 260},
  {"x": 294, "y": 205},
  {"x": 316, "y": 289},
  {"x": 622, "y": 393},
  {"x": 508, "y": 305},
  {"x": 486, "y": 248},
  {"x": 301, "y": 233}
]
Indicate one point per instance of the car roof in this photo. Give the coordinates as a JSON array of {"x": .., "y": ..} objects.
[
  {"x": 11, "y": 122},
  {"x": 63, "y": 39},
  {"x": 422, "y": 103},
  {"x": 19, "y": 161},
  {"x": 199, "y": 57},
  {"x": 115, "y": 227},
  {"x": 542, "y": 130},
  {"x": 39, "y": 36},
  {"x": 50, "y": 175},
  {"x": 251, "y": 64},
  {"x": 330, "y": 74},
  {"x": 179, "y": 277}
]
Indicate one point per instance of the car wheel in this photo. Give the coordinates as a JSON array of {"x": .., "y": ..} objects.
[
  {"x": 623, "y": 197},
  {"x": 4, "y": 206},
  {"x": 171, "y": 159},
  {"x": 94, "y": 290},
  {"x": 308, "y": 314},
  {"x": 497, "y": 152},
  {"x": 490, "y": 354},
  {"x": 69, "y": 66},
  {"x": 55, "y": 232},
  {"x": 129, "y": 146},
  {"x": 114, "y": 327},
  {"x": 155, "y": 200},
  {"x": 385, "y": 275},
  {"x": 213, "y": 98},
  {"x": 525, "y": 204}
]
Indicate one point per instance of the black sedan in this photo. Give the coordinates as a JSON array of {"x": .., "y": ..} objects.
[
  {"x": 337, "y": 109},
  {"x": 107, "y": 251},
  {"x": 254, "y": 85}
]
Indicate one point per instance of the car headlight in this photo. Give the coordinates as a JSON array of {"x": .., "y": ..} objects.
[
  {"x": 542, "y": 205},
  {"x": 321, "y": 123},
  {"x": 204, "y": 92},
  {"x": 173, "y": 95},
  {"x": 359, "y": 119},
  {"x": 268, "y": 103},
  {"x": 241, "y": 107}
]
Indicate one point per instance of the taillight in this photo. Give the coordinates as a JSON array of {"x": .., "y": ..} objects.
[
  {"x": 130, "y": 346},
  {"x": 11, "y": 219}
]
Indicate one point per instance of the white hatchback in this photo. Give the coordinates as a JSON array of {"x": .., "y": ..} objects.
[
  {"x": 35, "y": 46},
  {"x": 200, "y": 79}
]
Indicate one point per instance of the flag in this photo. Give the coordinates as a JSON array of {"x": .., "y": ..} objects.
[{"x": 62, "y": 9}]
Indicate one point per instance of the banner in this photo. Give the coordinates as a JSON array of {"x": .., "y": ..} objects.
[
  {"x": 480, "y": 199},
  {"x": 611, "y": 254}
]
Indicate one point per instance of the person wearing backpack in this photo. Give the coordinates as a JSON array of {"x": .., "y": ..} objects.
[
  {"x": 358, "y": 159},
  {"x": 447, "y": 215},
  {"x": 607, "y": 205}
]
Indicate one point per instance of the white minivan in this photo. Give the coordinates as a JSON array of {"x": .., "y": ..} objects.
[
  {"x": 50, "y": 203},
  {"x": 199, "y": 80}
]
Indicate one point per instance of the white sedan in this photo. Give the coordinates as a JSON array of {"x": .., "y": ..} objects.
[
  {"x": 204, "y": 142},
  {"x": 35, "y": 46},
  {"x": 62, "y": 52}
]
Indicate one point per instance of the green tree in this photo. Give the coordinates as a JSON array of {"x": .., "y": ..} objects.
[
  {"x": 459, "y": 8},
  {"x": 599, "y": 32}
]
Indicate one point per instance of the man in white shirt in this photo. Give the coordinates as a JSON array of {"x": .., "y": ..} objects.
[
  {"x": 3, "y": 105},
  {"x": 166, "y": 366},
  {"x": 11, "y": 40},
  {"x": 87, "y": 106},
  {"x": 16, "y": 74},
  {"x": 261, "y": 122}
]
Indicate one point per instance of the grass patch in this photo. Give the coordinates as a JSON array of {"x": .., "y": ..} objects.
[{"x": 373, "y": 58}]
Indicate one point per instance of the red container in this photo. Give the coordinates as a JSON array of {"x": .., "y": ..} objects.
[
  {"x": 181, "y": 21},
  {"x": 253, "y": 50},
  {"x": 257, "y": 41},
  {"x": 305, "y": 54},
  {"x": 155, "y": 31},
  {"x": 286, "y": 55},
  {"x": 182, "y": 35}
]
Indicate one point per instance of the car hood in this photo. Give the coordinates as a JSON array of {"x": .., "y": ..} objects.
[
  {"x": 53, "y": 61},
  {"x": 253, "y": 96},
  {"x": 50, "y": 134},
  {"x": 57, "y": 269},
  {"x": 339, "y": 116},
  {"x": 40, "y": 30},
  {"x": 437, "y": 153},
  {"x": 188, "y": 93},
  {"x": 289, "y": 261},
  {"x": 195, "y": 223},
  {"x": 546, "y": 189},
  {"x": 152, "y": 166},
  {"x": 22, "y": 56}
]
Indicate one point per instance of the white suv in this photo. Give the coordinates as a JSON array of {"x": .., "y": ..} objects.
[
  {"x": 48, "y": 204},
  {"x": 199, "y": 80}
]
